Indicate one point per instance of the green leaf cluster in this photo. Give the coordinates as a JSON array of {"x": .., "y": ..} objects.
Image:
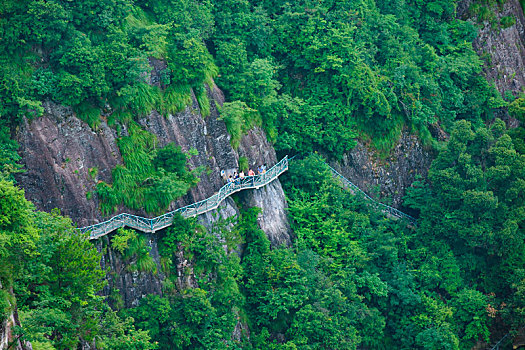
[
  {"x": 320, "y": 75},
  {"x": 150, "y": 178},
  {"x": 239, "y": 118},
  {"x": 51, "y": 275}
]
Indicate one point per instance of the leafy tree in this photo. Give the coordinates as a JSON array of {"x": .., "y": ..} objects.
[
  {"x": 64, "y": 308},
  {"x": 18, "y": 235},
  {"x": 134, "y": 250},
  {"x": 189, "y": 61},
  {"x": 171, "y": 159},
  {"x": 52, "y": 274},
  {"x": 203, "y": 316},
  {"x": 517, "y": 109},
  {"x": 121, "y": 334}
]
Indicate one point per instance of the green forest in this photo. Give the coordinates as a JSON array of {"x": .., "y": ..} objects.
[{"x": 317, "y": 76}]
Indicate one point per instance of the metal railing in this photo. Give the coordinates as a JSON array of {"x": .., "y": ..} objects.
[
  {"x": 507, "y": 341},
  {"x": 503, "y": 343},
  {"x": 383, "y": 207},
  {"x": 154, "y": 224},
  {"x": 380, "y": 206},
  {"x": 151, "y": 225}
]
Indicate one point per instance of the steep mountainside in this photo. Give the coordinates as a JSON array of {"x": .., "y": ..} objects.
[
  {"x": 60, "y": 153},
  {"x": 503, "y": 49},
  {"x": 503, "y": 52},
  {"x": 111, "y": 106}
]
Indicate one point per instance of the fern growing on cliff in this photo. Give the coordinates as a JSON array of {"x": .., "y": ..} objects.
[
  {"x": 150, "y": 178},
  {"x": 204, "y": 102},
  {"x": 145, "y": 98},
  {"x": 134, "y": 250},
  {"x": 175, "y": 98},
  {"x": 89, "y": 114}
]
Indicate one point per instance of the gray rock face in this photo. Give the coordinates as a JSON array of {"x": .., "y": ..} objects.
[
  {"x": 389, "y": 177},
  {"x": 131, "y": 285},
  {"x": 7, "y": 335},
  {"x": 505, "y": 48},
  {"x": 273, "y": 220},
  {"x": 208, "y": 136},
  {"x": 58, "y": 150}
]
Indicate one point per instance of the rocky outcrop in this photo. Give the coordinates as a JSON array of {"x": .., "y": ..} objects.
[
  {"x": 8, "y": 340},
  {"x": 124, "y": 284},
  {"x": 64, "y": 158},
  {"x": 503, "y": 49},
  {"x": 61, "y": 156},
  {"x": 58, "y": 150},
  {"x": 210, "y": 138},
  {"x": 386, "y": 179},
  {"x": 270, "y": 198},
  {"x": 127, "y": 286},
  {"x": 272, "y": 220}
]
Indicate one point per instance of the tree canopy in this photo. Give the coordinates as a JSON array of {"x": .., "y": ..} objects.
[{"x": 317, "y": 76}]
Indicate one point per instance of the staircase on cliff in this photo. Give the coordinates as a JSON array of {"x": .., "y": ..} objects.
[{"x": 155, "y": 224}]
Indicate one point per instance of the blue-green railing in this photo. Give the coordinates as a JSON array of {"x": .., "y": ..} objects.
[
  {"x": 380, "y": 206},
  {"x": 151, "y": 225},
  {"x": 388, "y": 210}
]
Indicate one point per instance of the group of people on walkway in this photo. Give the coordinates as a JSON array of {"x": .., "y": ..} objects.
[{"x": 237, "y": 176}]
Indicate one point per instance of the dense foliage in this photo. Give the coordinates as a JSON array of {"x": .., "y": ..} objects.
[
  {"x": 95, "y": 57},
  {"x": 474, "y": 205},
  {"x": 316, "y": 75},
  {"x": 52, "y": 275},
  {"x": 150, "y": 178},
  {"x": 322, "y": 72},
  {"x": 206, "y": 312},
  {"x": 355, "y": 277}
]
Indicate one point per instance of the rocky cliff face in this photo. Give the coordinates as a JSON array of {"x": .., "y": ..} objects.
[
  {"x": 210, "y": 138},
  {"x": 502, "y": 49},
  {"x": 386, "y": 179},
  {"x": 58, "y": 150}
]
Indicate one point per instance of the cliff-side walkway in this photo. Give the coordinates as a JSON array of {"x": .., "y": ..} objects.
[{"x": 154, "y": 224}]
